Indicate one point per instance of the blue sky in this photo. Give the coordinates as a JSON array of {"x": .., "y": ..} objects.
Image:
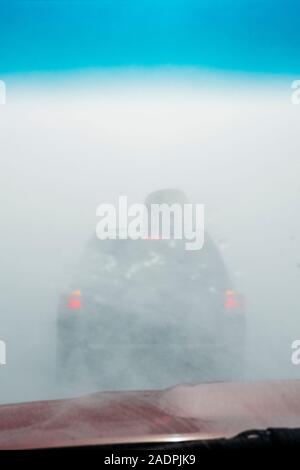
[{"x": 259, "y": 36}]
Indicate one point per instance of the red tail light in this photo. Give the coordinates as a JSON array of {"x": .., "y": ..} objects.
[
  {"x": 74, "y": 301},
  {"x": 232, "y": 300}
]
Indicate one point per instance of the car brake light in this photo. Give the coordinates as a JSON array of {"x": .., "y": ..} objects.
[
  {"x": 232, "y": 300},
  {"x": 74, "y": 301}
]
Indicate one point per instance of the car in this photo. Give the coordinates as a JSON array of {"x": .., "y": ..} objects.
[
  {"x": 148, "y": 313},
  {"x": 185, "y": 420}
]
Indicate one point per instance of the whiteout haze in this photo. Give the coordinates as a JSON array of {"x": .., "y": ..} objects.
[{"x": 137, "y": 221}]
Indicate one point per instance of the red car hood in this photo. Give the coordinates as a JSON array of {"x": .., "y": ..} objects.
[{"x": 184, "y": 412}]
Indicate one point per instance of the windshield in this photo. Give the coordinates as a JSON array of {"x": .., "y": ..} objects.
[{"x": 150, "y": 186}]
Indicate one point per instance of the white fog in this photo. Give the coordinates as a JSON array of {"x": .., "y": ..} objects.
[{"x": 69, "y": 144}]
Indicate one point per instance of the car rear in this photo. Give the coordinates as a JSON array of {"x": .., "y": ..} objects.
[{"x": 148, "y": 313}]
